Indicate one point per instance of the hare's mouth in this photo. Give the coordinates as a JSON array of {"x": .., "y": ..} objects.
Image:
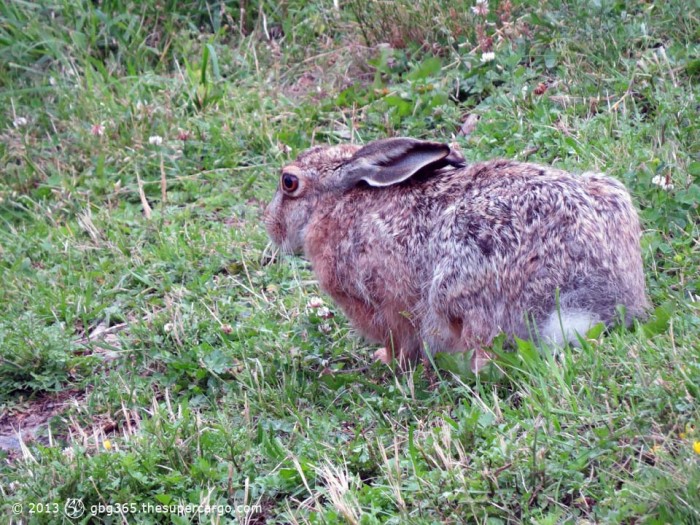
[
  {"x": 279, "y": 238},
  {"x": 292, "y": 249}
]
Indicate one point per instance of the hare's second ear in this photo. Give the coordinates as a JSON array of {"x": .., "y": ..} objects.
[{"x": 390, "y": 161}]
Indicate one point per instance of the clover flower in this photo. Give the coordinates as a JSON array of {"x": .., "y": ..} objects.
[
  {"x": 663, "y": 182},
  {"x": 481, "y": 8}
]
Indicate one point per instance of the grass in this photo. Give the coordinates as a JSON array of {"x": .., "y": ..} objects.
[{"x": 154, "y": 351}]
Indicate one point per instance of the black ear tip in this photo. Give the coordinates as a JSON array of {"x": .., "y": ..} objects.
[
  {"x": 430, "y": 145},
  {"x": 455, "y": 158}
]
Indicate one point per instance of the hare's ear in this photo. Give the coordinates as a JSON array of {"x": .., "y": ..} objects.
[{"x": 390, "y": 161}]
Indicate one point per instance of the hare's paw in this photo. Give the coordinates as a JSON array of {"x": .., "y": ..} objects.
[
  {"x": 383, "y": 355},
  {"x": 480, "y": 358}
]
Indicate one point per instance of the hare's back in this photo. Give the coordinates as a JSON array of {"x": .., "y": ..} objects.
[
  {"x": 520, "y": 232},
  {"x": 528, "y": 196}
]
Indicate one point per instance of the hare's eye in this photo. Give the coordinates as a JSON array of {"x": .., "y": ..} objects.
[{"x": 290, "y": 183}]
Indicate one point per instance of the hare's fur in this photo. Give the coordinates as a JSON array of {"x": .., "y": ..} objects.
[{"x": 451, "y": 255}]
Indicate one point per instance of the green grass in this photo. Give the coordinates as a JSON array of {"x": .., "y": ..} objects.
[{"x": 218, "y": 380}]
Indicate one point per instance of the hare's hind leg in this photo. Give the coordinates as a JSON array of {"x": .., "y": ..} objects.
[
  {"x": 468, "y": 331},
  {"x": 464, "y": 310}
]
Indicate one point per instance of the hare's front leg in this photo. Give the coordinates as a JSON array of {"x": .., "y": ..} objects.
[
  {"x": 384, "y": 323},
  {"x": 383, "y": 355},
  {"x": 402, "y": 344}
]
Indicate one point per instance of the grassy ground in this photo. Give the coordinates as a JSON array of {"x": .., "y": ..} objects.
[{"x": 154, "y": 351}]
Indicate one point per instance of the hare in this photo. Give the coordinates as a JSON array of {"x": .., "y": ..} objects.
[{"x": 426, "y": 253}]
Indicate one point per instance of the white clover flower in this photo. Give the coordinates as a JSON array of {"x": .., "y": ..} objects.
[
  {"x": 143, "y": 110},
  {"x": 662, "y": 182},
  {"x": 156, "y": 140},
  {"x": 324, "y": 313},
  {"x": 481, "y": 8},
  {"x": 19, "y": 122},
  {"x": 98, "y": 130},
  {"x": 488, "y": 57},
  {"x": 315, "y": 302}
]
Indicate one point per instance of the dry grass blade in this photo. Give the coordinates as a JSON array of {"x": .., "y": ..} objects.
[
  {"x": 337, "y": 481},
  {"x": 144, "y": 201},
  {"x": 163, "y": 182}
]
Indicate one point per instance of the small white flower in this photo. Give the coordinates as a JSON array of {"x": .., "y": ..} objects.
[
  {"x": 488, "y": 57},
  {"x": 143, "y": 110},
  {"x": 315, "y": 302},
  {"x": 168, "y": 327},
  {"x": 156, "y": 140},
  {"x": 663, "y": 182},
  {"x": 481, "y": 8},
  {"x": 19, "y": 122},
  {"x": 325, "y": 328},
  {"x": 324, "y": 313}
]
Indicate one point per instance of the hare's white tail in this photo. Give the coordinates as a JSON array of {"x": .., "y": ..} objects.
[{"x": 564, "y": 325}]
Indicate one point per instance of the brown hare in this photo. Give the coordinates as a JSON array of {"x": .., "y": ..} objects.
[{"x": 426, "y": 253}]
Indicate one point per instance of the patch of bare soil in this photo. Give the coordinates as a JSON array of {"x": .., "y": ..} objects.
[
  {"x": 22, "y": 423},
  {"x": 25, "y": 421}
]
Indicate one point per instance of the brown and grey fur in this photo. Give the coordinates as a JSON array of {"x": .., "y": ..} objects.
[{"x": 452, "y": 254}]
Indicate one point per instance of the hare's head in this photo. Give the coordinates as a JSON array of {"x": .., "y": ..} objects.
[
  {"x": 331, "y": 172},
  {"x": 301, "y": 184}
]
